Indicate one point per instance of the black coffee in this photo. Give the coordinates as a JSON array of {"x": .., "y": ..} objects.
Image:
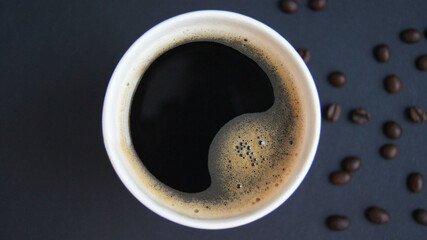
[
  {"x": 183, "y": 100},
  {"x": 215, "y": 133}
]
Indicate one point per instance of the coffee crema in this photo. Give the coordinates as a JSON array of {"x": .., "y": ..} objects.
[{"x": 251, "y": 157}]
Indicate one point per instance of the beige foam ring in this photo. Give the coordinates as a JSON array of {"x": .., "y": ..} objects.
[{"x": 239, "y": 183}]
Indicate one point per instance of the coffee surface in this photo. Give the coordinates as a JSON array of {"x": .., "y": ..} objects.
[
  {"x": 211, "y": 85},
  {"x": 221, "y": 137}
]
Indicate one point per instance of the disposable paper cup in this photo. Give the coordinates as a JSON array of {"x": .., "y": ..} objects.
[{"x": 183, "y": 29}]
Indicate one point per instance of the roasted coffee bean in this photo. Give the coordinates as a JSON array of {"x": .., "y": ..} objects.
[
  {"x": 340, "y": 177},
  {"x": 360, "y": 116},
  {"x": 351, "y": 164},
  {"x": 389, "y": 151},
  {"x": 393, "y": 84},
  {"x": 382, "y": 52},
  {"x": 337, "y": 79},
  {"x": 392, "y": 130},
  {"x": 410, "y": 35},
  {"x": 422, "y": 62},
  {"x": 289, "y": 6},
  {"x": 305, "y": 54},
  {"x": 416, "y": 182},
  {"x": 338, "y": 222},
  {"x": 417, "y": 114},
  {"x": 333, "y": 112},
  {"x": 420, "y": 215},
  {"x": 377, "y": 215},
  {"x": 318, "y": 4}
]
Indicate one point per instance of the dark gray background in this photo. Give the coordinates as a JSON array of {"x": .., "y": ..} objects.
[{"x": 56, "y": 59}]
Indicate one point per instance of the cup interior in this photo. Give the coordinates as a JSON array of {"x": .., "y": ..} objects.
[{"x": 192, "y": 27}]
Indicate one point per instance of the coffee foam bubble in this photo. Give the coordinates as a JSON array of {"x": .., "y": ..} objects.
[{"x": 251, "y": 156}]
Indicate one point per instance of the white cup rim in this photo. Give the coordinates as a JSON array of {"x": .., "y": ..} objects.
[{"x": 111, "y": 109}]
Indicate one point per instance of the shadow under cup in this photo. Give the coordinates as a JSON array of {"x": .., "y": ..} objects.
[{"x": 138, "y": 117}]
